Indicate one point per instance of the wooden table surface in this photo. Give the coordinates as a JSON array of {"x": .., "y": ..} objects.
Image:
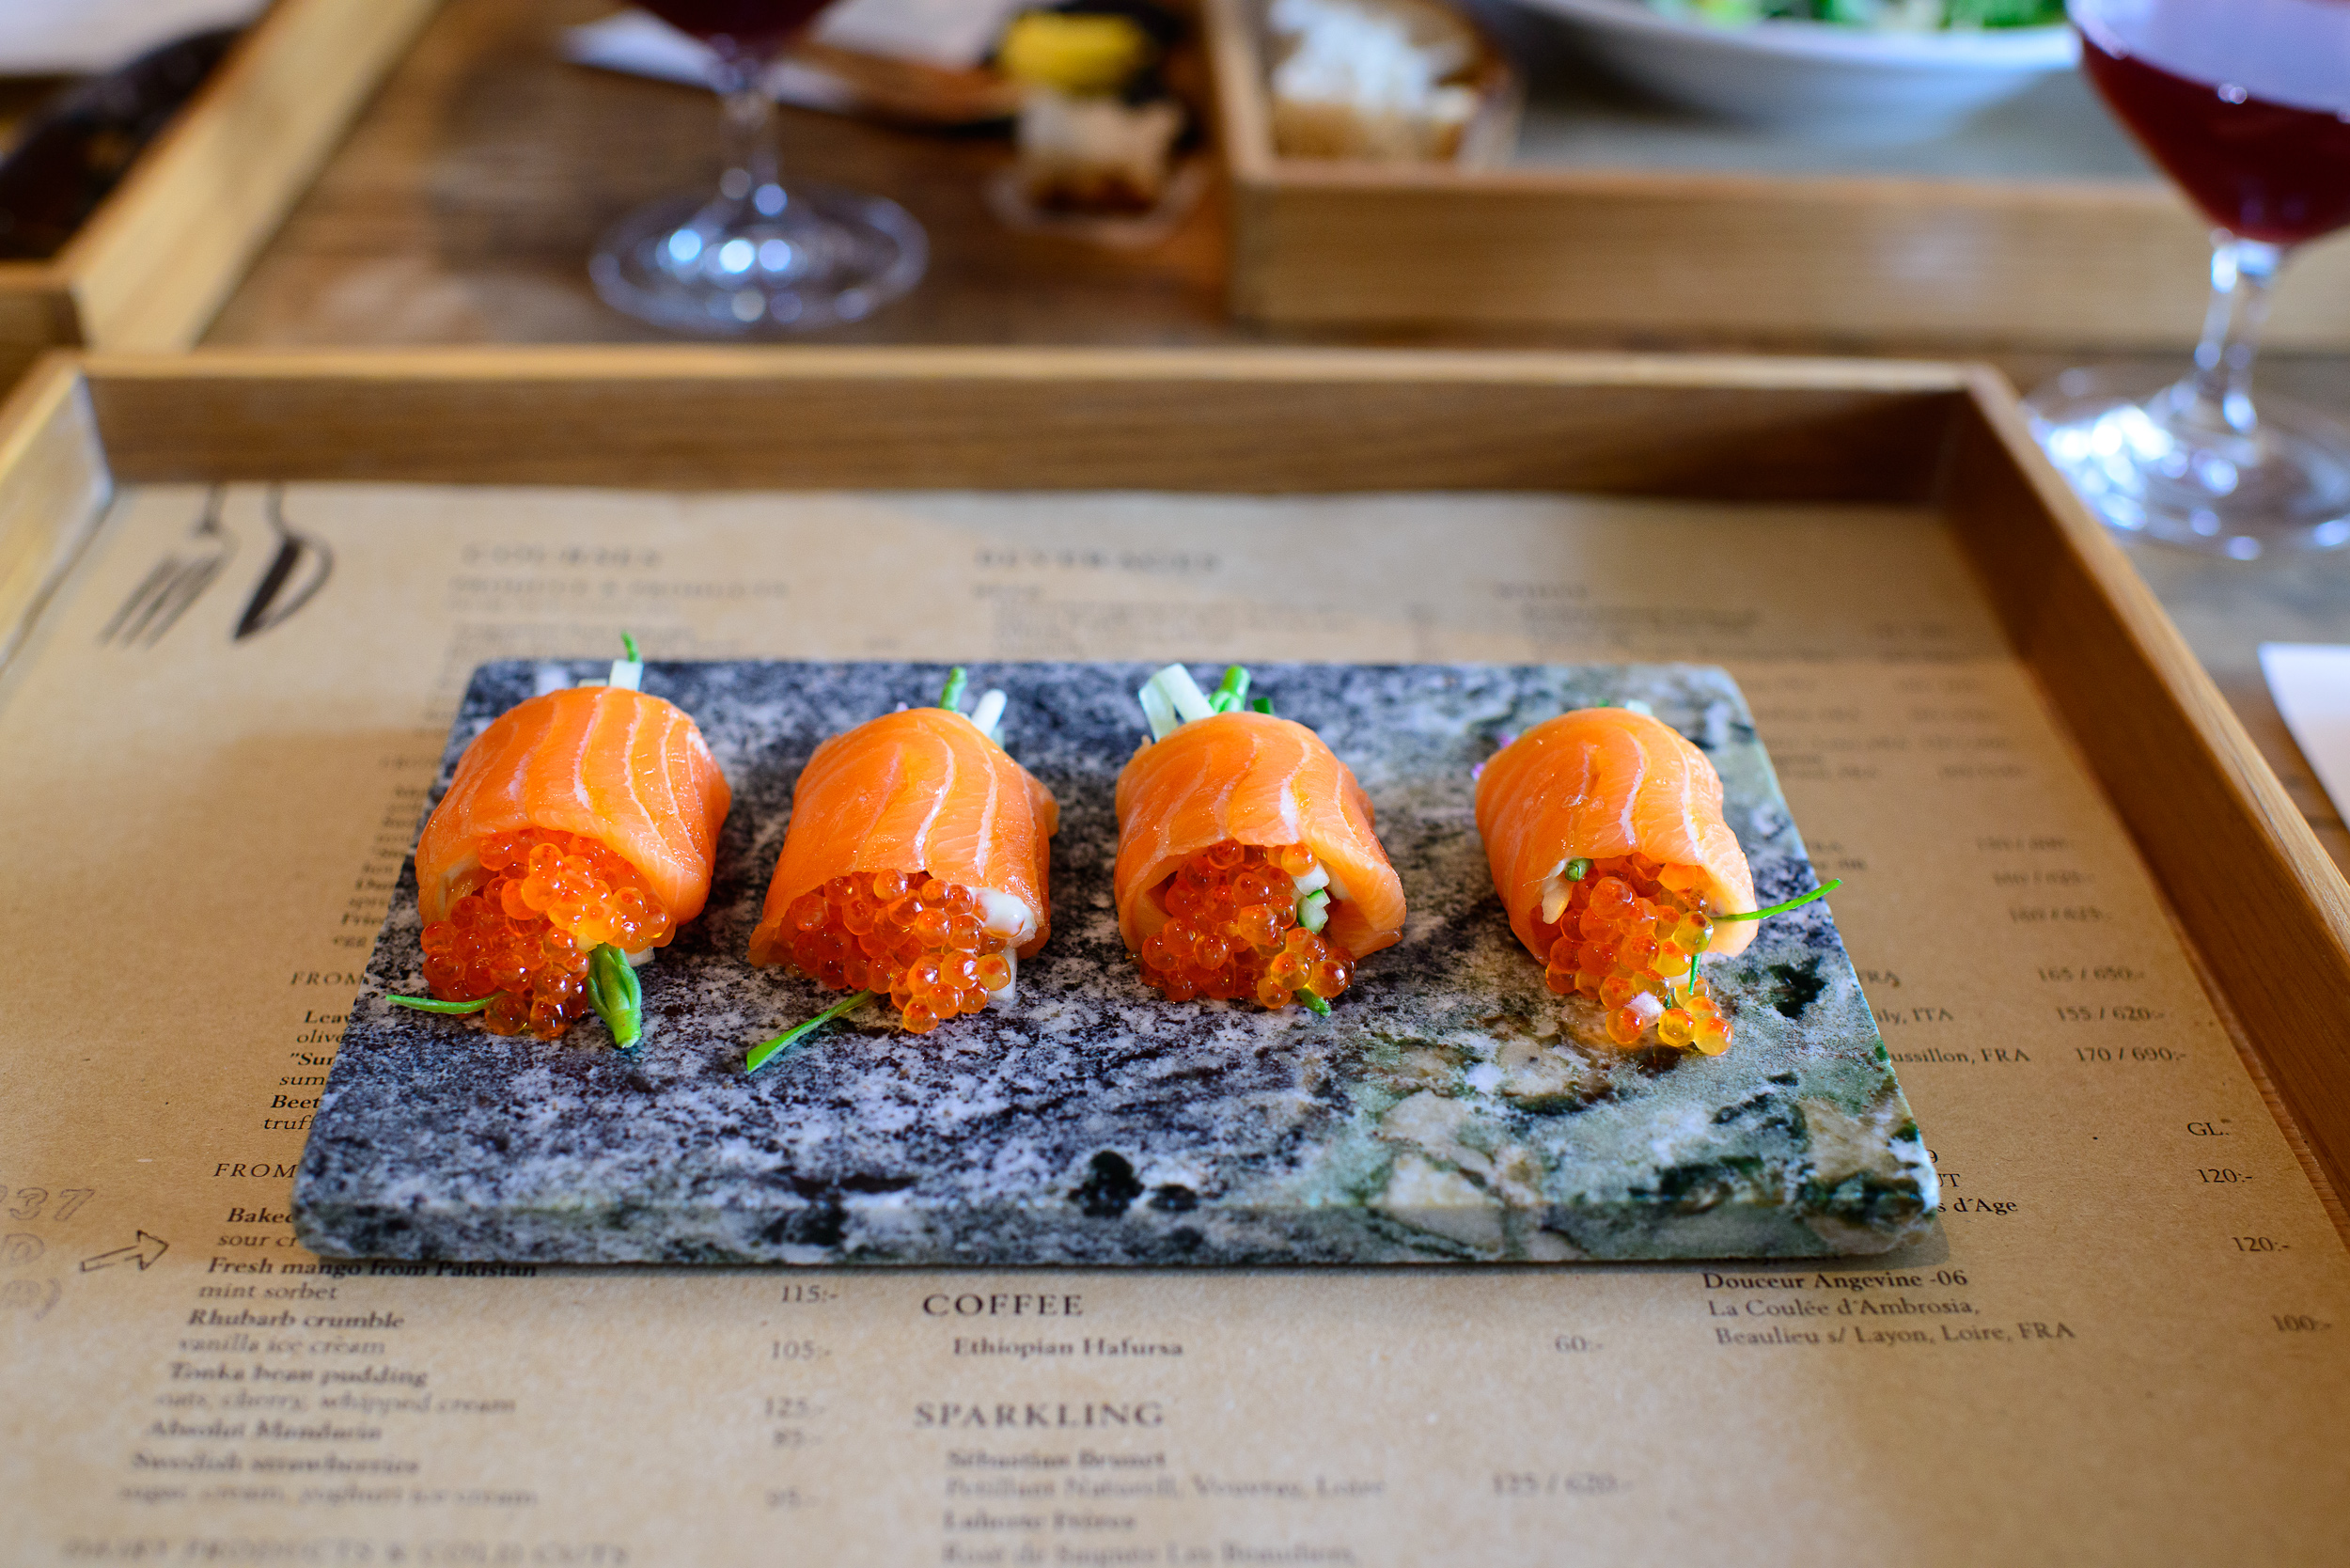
[{"x": 465, "y": 204}]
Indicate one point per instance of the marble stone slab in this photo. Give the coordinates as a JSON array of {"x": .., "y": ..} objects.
[{"x": 1447, "y": 1110}]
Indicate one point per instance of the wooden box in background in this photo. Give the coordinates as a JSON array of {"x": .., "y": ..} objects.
[
  {"x": 1693, "y": 255},
  {"x": 153, "y": 264}
]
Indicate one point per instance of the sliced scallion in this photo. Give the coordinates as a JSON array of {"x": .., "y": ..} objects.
[
  {"x": 1820, "y": 892},
  {"x": 767, "y": 1051},
  {"x": 989, "y": 712}
]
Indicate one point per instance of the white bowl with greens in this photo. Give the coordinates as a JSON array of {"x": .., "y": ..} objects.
[{"x": 1884, "y": 67}]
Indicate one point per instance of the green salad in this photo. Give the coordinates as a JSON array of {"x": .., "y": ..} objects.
[{"x": 1916, "y": 16}]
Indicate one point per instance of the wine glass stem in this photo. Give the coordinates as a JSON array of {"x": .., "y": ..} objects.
[
  {"x": 752, "y": 177},
  {"x": 2219, "y": 393}
]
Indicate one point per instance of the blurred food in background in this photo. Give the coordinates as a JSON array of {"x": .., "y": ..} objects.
[
  {"x": 1881, "y": 70},
  {"x": 1098, "y": 128},
  {"x": 1387, "y": 80},
  {"x": 1913, "y": 16}
]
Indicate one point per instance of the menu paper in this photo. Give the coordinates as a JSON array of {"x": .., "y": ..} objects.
[
  {"x": 2310, "y": 683},
  {"x": 2130, "y": 1340}
]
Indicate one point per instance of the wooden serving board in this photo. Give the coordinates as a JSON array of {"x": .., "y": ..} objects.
[
  {"x": 1448, "y": 1108},
  {"x": 1750, "y": 249}
]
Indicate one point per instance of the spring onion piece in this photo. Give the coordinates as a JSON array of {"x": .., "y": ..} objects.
[
  {"x": 1314, "y": 1004},
  {"x": 434, "y": 1004},
  {"x": 1159, "y": 712},
  {"x": 1633, "y": 705},
  {"x": 628, "y": 672},
  {"x": 767, "y": 1051},
  {"x": 618, "y": 998},
  {"x": 1181, "y": 690},
  {"x": 1820, "y": 892},
  {"x": 950, "y": 695},
  {"x": 1172, "y": 698},
  {"x": 989, "y": 712},
  {"x": 1313, "y": 911}
]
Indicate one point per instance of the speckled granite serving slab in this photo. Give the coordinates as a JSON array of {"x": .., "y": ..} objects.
[{"x": 1441, "y": 1113}]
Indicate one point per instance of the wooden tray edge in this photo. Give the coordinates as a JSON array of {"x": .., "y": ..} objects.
[{"x": 2218, "y": 831}]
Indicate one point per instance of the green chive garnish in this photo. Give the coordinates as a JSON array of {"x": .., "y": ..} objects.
[
  {"x": 950, "y": 695},
  {"x": 1820, "y": 892},
  {"x": 434, "y": 1004},
  {"x": 614, "y": 993},
  {"x": 767, "y": 1051}
]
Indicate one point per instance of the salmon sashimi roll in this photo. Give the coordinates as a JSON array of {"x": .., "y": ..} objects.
[
  {"x": 916, "y": 866},
  {"x": 1605, "y": 831},
  {"x": 575, "y": 838},
  {"x": 1247, "y": 862}
]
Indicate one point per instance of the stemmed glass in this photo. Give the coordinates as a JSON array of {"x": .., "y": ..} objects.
[
  {"x": 2246, "y": 104},
  {"x": 758, "y": 259}
]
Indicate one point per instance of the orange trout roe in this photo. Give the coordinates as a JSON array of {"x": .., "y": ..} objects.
[
  {"x": 1633, "y": 930},
  {"x": 906, "y": 935},
  {"x": 524, "y": 937},
  {"x": 1233, "y": 930}
]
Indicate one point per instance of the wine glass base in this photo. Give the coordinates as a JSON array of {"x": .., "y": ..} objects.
[
  {"x": 2151, "y": 473},
  {"x": 825, "y": 257}
]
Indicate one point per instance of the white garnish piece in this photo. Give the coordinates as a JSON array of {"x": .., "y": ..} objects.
[
  {"x": 1646, "y": 1007},
  {"x": 1006, "y": 916},
  {"x": 1181, "y": 690},
  {"x": 1633, "y": 705},
  {"x": 629, "y": 674},
  {"x": 1313, "y": 911},
  {"x": 1159, "y": 710},
  {"x": 638, "y": 960},
  {"x": 1313, "y": 881},
  {"x": 1338, "y": 888},
  {"x": 989, "y": 713},
  {"x": 1557, "y": 888}
]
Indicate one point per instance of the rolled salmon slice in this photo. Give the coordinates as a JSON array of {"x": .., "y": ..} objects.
[
  {"x": 1603, "y": 828},
  {"x": 578, "y": 819},
  {"x": 1238, "y": 835},
  {"x": 916, "y": 865}
]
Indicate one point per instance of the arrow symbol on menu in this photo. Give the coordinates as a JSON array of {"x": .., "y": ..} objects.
[{"x": 144, "y": 1252}]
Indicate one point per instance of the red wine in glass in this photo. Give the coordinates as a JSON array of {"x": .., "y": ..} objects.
[
  {"x": 757, "y": 27},
  {"x": 754, "y": 258},
  {"x": 2263, "y": 169},
  {"x": 2246, "y": 104}
]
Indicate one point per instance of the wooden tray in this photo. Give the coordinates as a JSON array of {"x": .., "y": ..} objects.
[
  {"x": 2256, "y": 898},
  {"x": 165, "y": 248},
  {"x": 1698, "y": 254}
]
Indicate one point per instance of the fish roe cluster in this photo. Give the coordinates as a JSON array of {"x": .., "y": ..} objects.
[
  {"x": 1630, "y": 936},
  {"x": 523, "y": 938},
  {"x": 908, "y": 935},
  {"x": 1233, "y": 930}
]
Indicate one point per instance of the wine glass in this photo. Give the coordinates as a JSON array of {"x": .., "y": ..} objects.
[
  {"x": 756, "y": 259},
  {"x": 2246, "y": 104}
]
